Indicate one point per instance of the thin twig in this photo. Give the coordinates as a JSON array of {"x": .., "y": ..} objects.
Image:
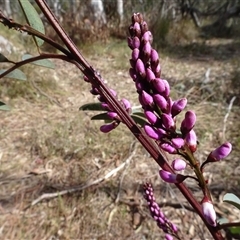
[{"x": 227, "y": 115}]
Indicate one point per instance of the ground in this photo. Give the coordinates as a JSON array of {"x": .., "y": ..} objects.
[{"x": 48, "y": 146}]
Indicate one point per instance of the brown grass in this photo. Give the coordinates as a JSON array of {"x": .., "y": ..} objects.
[{"x": 47, "y": 145}]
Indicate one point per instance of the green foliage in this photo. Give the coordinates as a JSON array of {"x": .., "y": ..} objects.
[
  {"x": 16, "y": 74},
  {"x": 43, "y": 63},
  {"x": 33, "y": 19},
  {"x": 232, "y": 199}
]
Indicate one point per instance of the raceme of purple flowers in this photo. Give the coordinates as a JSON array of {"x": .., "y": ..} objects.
[{"x": 168, "y": 227}]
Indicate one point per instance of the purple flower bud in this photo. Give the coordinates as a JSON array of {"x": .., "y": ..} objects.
[
  {"x": 106, "y": 106},
  {"x": 178, "y": 106},
  {"x": 167, "y": 88},
  {"x": 171, "y": 177},
  {"x": 191, "y": 140},
  {"x": 139, "y": 86},
  {"x": 140, "y": 68},
  {"x": 177, "y": 142},
  {"x": 157, "y": 70},
  {"x": 209, "y": 212},
  {"x": 168, "y": 237},
  {"x": 159, "y": 85},
  {"x": 161, "y": 102},
  {"x": 147, "y": 37},
  {"x": 154, "y": 58},
  {"x": 146, "y": 51},
  {"x": 220, "y": 152},
  {"x": 136, "y": 42},
  {"x": 168, "y": 121},
  {"x": 147, "y": 99},
  {"x": 133, "y": 74},
  {"x": 151, "y": 132},
  {"x": 188, "y": 122},
  {"x": 108, "y": 127},
  {"x": 94, "y": 91},
  {"x": 135, "y": 54},
  {"x": 144, "y": 27},
  {"x": 113, "y": 92},
  {"x": 168, "y": 148},
  {"x": 150, "y": 75},
  {"x": 151, "y": 116},
  {"x": 126, "y": 104},
  {"x": 179, "y": 164},
  {"x": 112, "y": 115},
  {"x": 137, "y": 29},
  {"x": 85, "y": 78}
]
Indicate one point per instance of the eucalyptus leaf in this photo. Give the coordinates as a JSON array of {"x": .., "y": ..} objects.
[
  {"x": 16, "y": 74},
  {"x": 101, "y": 116},
  {"x": 92, "y": 107},
  {"x": 44, "y": 62},
  {"x": 4, "y": 107},
  {"x": 232, "y": 199},
  {"x": 4, "y": 59},
  {"x": 33, "y": 19},
  {"x": 141, "y": 121},
  {"x": 137, "y": 109}
]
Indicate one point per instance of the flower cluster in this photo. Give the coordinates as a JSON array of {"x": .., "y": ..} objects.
[
  {"x": 112, "y": 115},
  {"x": 169, "y": 228},
  {"x": 159, "y": 109}
]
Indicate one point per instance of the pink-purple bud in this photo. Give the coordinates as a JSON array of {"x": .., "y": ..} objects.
[
  {"x": 147, "y": 51},
  {"x": 150, "y": 75},
  {"x": 126, "y": 104},
  {"x": 147, "y": 37},
  {"x": 140, "y": 68},
  {"x": 112, "y": 115},
  {"x": 220, "y": 152},
  {"x": 188, "y": 122},
  {"x": 171, "y": 177},
  {"x": 144, "y": 27},
  {"x": 130, "y": 42},
  {"x": 167, "y": 88},
  {"x": 177, "y": 142},
  {"x": 147, "y": 99},
  {"x": 154, "y": 57},
  {"x": 191, "y": 140},
  {"x": 160, "y": 102},
  {"x": 168, "y": 237},
  {"x": 209, "y": 212},
  {"x": 151, "y": 116},
  {"x": 108, "y": 127},
  {"x": 151, "y": 132},
  {"x": 135, "y": 54},
  {"x": 179, "y": 164},
  {"x": 137, "y": 29},
  {"x": 168, "y": 121},
  {"x": 178, "y": 106},
  {"x": 159, "y": 85},
  {"x": 133, "y": 74},
  {"x": 168, "y": 148},
  {"x": 136, "y": 42}
]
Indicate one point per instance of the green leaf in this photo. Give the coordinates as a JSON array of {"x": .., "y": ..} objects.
[
  {"x": 92, "y": 107},
  {"x": 141, "y": 121},
  {"x": 235, "y": 230},
  {"x": 101, "y": 116},
  {"x": 33, "y": 19},
  {"x": 4, "y": 107},
  {"x": 44, "y": 62},
  {"x": 222, "y": 220},
  {"x": 232, "y": 199},
  {"x": 17, "y": 74},
  {"x": 4, "y": 59},
  {"x": 136, "y": 109}
]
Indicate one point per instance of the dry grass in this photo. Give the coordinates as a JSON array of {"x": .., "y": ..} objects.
[{"x": 47, "y": 145}]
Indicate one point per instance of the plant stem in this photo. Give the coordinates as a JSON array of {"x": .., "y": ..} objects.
[{"x": 97, "y": 82}]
